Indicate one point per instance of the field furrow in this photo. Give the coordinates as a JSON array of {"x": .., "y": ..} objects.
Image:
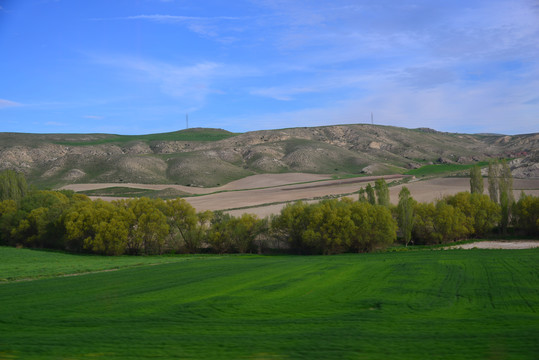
[{"x": 423, "y": 304}]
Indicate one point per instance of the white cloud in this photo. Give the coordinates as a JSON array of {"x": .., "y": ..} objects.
[
  {"x": 414, "y": 63},
  {"x": 8, "y": 103},
  {"x": 189, "y": 83},
  {"x": 494, "y": 106},
  {"x": 210, "y": 27}
]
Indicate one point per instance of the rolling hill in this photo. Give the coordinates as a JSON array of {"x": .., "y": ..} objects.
[{"x": 212, "y": 157}]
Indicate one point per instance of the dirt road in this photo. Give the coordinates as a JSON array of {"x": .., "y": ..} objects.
[{"x": 520, "y": 244}]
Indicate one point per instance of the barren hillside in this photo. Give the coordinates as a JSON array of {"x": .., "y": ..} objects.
[{"x": 213, "y": 157}]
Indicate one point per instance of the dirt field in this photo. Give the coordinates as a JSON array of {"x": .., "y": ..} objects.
[
  {"x": 250, "y": 182},
  {"x": 276, "y": 189},
  {"x": 430, "y": 190},
  {"x": 498, "y": 245}
]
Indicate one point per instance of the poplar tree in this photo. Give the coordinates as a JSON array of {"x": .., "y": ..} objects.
[
  {"x": 476, "y": 180},
  {"x": 13, "y": 185},
  {"x": 493, "y": 173},
  {"x": 371, "y": 198},
  {"x": 382, "y": 192},
  {"x": 505, "y": 186},
  {"x": 361, "y": 196},
  {"x": 405, "y": 214}
]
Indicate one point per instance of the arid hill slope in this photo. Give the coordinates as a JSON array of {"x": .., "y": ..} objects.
[{"x": 212, "y": 157}]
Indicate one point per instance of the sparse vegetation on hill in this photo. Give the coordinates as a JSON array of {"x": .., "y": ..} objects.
[{"x": 207, "y": 157}]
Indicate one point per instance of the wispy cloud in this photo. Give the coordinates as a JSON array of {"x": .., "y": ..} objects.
[
  {"x": 8, "y": 103},
  {"x": 55, "y": 123},
  {"x": 178, "y": 18},
  {"x": 189, "y": 83},
  {"x": 94, "y": 117},
  {"x": 206, "y": 26},
  {"x": 282, "y": 93}
]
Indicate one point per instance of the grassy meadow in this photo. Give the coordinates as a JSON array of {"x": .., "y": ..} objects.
[
  {"x": 195, "y": 134},
  {"x": 443, "y": 169},
  {"x": 430, "y": 304}
]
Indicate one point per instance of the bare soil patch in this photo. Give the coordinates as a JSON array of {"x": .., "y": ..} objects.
[
  {"x": 280, "y": 194},
  {"x": 250, "y": 182},
  {"x": 502, "y": 244},
  {"x": 433, "y": 189},
  {"x": 423, "y": 191},
  {"x": 267, "y": 194},
  {"x": 267, "y": 180}
]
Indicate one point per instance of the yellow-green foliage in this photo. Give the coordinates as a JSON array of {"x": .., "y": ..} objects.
[
  {"x": 526, "y": 214},
  {"x": 333, "y": 226},
  {"x": 12, "y": 185},
  {"x": 69, "y": 221},
  {"x": 455, "y": 217},
  {"x": 481, "y": 213}
]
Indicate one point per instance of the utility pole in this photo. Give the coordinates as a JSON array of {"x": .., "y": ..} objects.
[
  {"x": 372, "y": 119},
  {"x": 187, "y": 121}
]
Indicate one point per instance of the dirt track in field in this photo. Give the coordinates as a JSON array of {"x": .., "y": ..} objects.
[
  {"x": 255, "y": 192},
  {"x": 513, "y": 245}
]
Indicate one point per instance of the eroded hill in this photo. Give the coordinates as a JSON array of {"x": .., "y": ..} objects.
[{"x": 212, "y": 157}]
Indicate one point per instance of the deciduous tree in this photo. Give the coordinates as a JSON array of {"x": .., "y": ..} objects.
[
  {"x": 476, "y": 180},
  {"x": 505, "y": 185},
  {"x": 371, "y": 197},
  {"x": 493, "y": 174},
  {"x": 527, "y": 214},
  {"x": 382, "y": 192},
  {"x": 405, "y": 214},
  {"x": 12, "y": 185}
]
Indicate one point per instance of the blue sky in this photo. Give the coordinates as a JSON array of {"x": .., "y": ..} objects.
[{"x": 138, "y": 66}]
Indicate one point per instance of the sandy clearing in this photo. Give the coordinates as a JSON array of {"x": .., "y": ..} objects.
[{"x": 520, "y": 244}]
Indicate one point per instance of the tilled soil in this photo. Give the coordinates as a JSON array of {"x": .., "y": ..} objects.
[{"x": 267, "y": 194}]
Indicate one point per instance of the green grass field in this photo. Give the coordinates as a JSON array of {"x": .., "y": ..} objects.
[
  {"x": 195, "y": 134},
  {"x": 438, "y": 169},
  {"x": 458, "y": 304},
  {"x": 25, "y": 264}
]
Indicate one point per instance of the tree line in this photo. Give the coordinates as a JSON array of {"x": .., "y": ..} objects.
[{"x": 69, "y": 221}]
